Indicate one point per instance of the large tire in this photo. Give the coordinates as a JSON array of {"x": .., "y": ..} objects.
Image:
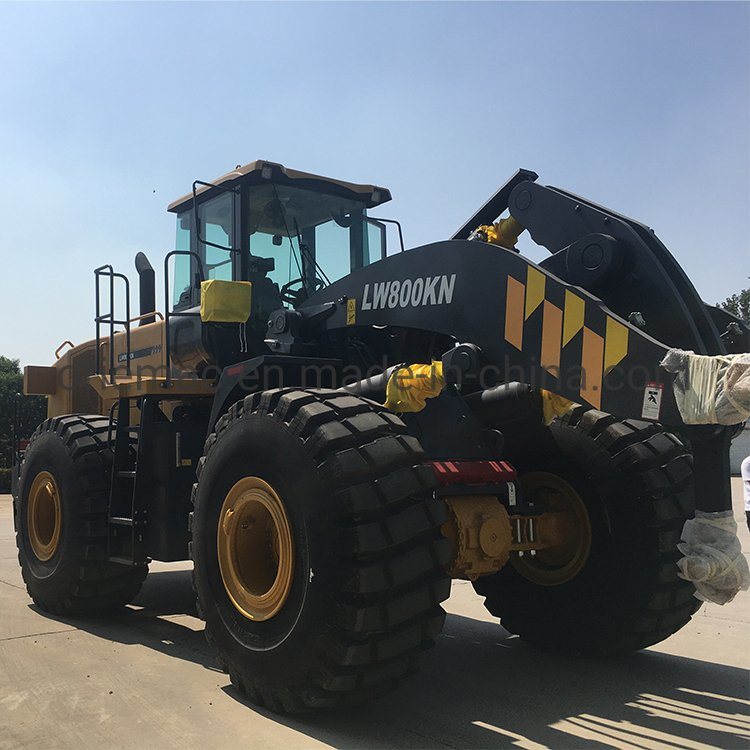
[
  {"x": 73, "y": 575},
  {"x": 635, "y": 481},
  {"x": 369, "y": 567}
]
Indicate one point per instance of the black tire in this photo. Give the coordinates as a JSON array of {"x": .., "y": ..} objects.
[
  {"x": 369, "y": 571},
  {"x": 636, "y": 482},
  {"x": 78, "y": 578}
]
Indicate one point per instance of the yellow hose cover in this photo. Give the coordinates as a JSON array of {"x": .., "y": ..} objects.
[
  {"x": 554, "y": 406},
  {"x": 225, "y": 301},
  {"x": 410, "y": 386},
  {"x": 504, "y": 232}
]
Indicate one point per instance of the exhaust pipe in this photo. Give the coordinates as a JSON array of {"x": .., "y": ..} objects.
[{"x": 146, "y": 288}]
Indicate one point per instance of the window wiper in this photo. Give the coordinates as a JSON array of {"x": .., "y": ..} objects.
[
  {"x": 306, "y": 250},
  {"x": 288, "y": 234},
  {"x": 302, "y": 246}
]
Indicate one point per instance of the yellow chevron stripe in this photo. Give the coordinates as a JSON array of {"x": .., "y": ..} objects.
[
  {"x": 615, "y": 344},
  {"x": 591, "y": 364},
  {"x": 514, "y": 312},
  {"x": 551, "y": 330},
  {"x": 535, "y": 283},
  {"x": 573, "y": 316}
]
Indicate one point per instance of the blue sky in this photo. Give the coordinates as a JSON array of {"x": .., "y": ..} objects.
[{"x": 109, "y": 111}]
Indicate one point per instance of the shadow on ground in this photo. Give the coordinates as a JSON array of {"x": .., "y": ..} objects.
[
  {"x": 149, "y": 620},
  {"x": 482, "y": 688}
]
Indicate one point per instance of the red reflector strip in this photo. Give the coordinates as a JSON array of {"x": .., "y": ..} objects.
[{"x": 472, "y": 472}]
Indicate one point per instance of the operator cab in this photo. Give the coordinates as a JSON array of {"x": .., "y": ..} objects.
[{"x": 289, "y": 233}]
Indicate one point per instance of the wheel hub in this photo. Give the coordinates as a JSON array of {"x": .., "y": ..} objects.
[
  {"x": 255, "y": 549},
  {"x": 562, "y": 560},
  {"x": 44, "y": 516}
]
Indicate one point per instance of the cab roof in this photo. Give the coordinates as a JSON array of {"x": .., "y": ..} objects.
[{"x": 260, "y": 171}]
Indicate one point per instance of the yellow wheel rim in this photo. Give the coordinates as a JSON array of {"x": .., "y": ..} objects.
[
  {"x": 44, "y": 516},
  {"x": 563, "y": 562},
  {"x": 255, "y": 549}
]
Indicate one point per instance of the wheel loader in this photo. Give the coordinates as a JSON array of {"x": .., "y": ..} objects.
[{"x": 332, "y": 427}]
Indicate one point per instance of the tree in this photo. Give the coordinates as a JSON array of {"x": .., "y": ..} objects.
[
  {"x": 32, "y": 409},
  {"x": 738, "y": 304}
]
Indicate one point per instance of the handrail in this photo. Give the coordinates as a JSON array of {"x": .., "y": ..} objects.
[
  {"x": 109, "y": 318},
  {"x": 390, "y": 221},
  {"x": 196, "y": 220},
  {"x": 115, "y": 404},
  {"x": 152, "y": 314},
  {"x": 69, "y": 343}
]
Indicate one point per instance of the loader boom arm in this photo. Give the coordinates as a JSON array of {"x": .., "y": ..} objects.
[
  {"x": 529, "y": 325},
  {"x": 590, "y": 323}
]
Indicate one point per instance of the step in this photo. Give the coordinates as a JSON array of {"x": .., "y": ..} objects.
[
  {"x": 125, "y": 474},
  {"x": 121, "y": 520},
  {"x": 122, "y": 561}
]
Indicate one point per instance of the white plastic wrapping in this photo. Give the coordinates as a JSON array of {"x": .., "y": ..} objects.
[
  {"x": 710, "y": 390},
  {"x": 713, "y": 558}
]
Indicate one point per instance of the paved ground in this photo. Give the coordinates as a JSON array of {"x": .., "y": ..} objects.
[{"x": 145, "y": 679}]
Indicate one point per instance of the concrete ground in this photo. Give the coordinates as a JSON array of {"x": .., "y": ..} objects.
[{"x": 146, "y": 678}]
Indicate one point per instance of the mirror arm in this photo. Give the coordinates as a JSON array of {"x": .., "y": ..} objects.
[{"x": 391, "y": 221}]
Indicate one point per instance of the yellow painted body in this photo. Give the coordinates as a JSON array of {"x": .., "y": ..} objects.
[{"x": 66, "y": 383}]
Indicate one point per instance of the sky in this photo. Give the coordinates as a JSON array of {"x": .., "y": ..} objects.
[{"x": 108, "y": 111}]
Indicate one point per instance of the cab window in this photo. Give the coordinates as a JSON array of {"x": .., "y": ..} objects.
[
  {"x": 181, "y": 292},
  {"x": 217, "y": 228},
  {"x": 312, "y": 238},
  {"x": 332, "y": 253},
  {"x": 283, "y": 250}
]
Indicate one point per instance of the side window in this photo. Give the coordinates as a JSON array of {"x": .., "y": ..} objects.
[
  {"x": 335, "y": 246},
  {"x": 217, "y": 227},
  {"x": 332, "y": 249},
  {"x": 181, "y": 273},
  {"x": 375, "y": 240}
]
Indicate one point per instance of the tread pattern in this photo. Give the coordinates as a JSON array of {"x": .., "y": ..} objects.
[
  {"x": 651, "y": 470},
  {"x": 386, "y": 536},
  {"x": 96, "y": 584},
  {"x": 658, "y": 470}
]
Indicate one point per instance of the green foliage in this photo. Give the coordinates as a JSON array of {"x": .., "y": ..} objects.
[
  {"x": 738, "y": 304},
  {"x": 32, "y": 410},
  {"x": 8, "y": 366},
  {"x": 4, "y": 481}
]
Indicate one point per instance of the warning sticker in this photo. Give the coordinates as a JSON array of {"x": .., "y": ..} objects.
[
  {"x": 652, "y": 401},
  {"x": 351, "y": 312}
]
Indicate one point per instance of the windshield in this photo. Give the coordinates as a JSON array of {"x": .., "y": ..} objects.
[
  {"x": 312, "y": 237},
  {"x": 298, "y": 240}
]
